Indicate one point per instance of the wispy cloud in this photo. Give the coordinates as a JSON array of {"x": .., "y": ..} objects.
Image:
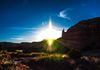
[
  {"x": 17, "y": 38},
  {"x": 64, "y": 13},
  {"x": 25, "y": 28},
  {"x": 29, "y": 28}
]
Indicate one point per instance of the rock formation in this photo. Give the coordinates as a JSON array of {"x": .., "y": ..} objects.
[{"x": 84, "y": 34}]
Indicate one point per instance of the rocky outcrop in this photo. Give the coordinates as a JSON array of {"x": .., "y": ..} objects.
[{"x": 84, "y": 34}]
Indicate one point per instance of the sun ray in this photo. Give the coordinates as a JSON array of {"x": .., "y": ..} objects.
[{"x": 50, "y": 39}]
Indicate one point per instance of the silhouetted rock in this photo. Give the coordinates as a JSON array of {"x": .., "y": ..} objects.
[{"x": 83, "y": 35}]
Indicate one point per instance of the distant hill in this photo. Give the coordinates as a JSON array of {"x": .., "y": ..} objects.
[{"x": 26, "y": 46}]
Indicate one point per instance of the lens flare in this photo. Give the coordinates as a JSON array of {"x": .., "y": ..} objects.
[{"x": 50, "y": 41}]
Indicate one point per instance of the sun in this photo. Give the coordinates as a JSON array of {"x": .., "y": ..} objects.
[{"x": 49, "y": 32}]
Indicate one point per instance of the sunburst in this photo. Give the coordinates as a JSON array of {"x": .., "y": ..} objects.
[{"x": 49, "y": 33}]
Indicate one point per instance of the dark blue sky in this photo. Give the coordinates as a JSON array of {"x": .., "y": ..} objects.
[{"x": 20, "y": 17}]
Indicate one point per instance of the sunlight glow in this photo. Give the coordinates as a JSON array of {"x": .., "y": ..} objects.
[{"x": 49, "y": 32}]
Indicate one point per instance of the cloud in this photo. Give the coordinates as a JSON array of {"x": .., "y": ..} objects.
[
  {"x": 24, "y": 28},
  {"x": 18, "y": 38},
  {"x": 29, "y": 36},
  {"x": 64, "y": 14}
]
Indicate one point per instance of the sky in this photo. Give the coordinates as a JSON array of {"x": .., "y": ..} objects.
[{"x": 23, "y": 20}]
